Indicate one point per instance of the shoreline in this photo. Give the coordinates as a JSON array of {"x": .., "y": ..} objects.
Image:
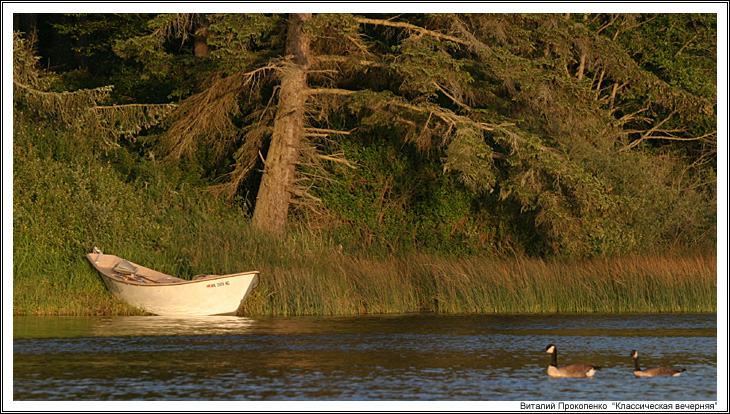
[{"x": 346, "y": 286}]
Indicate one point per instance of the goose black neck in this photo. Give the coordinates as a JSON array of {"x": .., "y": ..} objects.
[
  {"x": 554, "y": 358},
  {"x": 636, "y": 364}
]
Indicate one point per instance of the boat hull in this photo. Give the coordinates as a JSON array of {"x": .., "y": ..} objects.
[
  {"x": 208, "y": 297},
  {"x": 213, "y": 295}
]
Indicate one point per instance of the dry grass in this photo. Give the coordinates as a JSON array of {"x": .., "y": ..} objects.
[{"x": 346, "y": 285}]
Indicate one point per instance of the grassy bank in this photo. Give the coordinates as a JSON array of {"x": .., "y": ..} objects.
[
  {"x": 69, "y": 196},
  {"x": 346, "y": 285},
  {"x": 301, "y": 277}
]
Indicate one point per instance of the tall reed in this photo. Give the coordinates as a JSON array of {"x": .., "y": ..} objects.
[{"x": 349, "y": 285}]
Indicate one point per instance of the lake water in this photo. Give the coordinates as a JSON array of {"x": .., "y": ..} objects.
[{"x": 395, "y": 358}]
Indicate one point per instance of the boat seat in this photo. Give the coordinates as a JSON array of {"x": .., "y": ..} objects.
[
  {"x": 198, "y": 277},
  {"x": 168, "y": 279},
  {"x": 125, "y": 268}
]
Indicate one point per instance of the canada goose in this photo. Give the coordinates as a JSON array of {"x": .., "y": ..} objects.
[
  {"x": 654, "y": 372},
  {"x": 568, "y": 371}
]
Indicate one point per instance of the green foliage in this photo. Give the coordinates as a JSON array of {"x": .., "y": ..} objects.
[
  {"x": 95, "y": 38},
  {"x": 160, "y": 57},
  {"x": 469, "y": 154},
  {"x": 571, "y": 135},
  {"x": 324, "y": 24},
  {"x": 424, "y": 64},
  {"x": 80, "y": 110},
  {"x": 679, "y": 48},
  {"x": 396, "y": 201},
  {"x": 242, "y": 40},
  {"x": 61, "y": 206},
  {"x": 95, "y": 33}
]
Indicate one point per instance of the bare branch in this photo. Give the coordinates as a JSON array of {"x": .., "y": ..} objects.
[
  {"x": 326, "y": 131},
  {"x": 343, "y": 59},
  {"x": 648, "y": 133},
  {"x": 639, "y": 24},
  {"x": 456, "y": 101},
  {"x": 605, "y": 26},
  {"x": 303, "y": 193},
  {"x": 409, "y": 26},
  {"x": 338, "y": 158},
  {"x": 629, "y": 117},
  {"x": 330, "y": 91},
  {"x": 685, "y": 45}
]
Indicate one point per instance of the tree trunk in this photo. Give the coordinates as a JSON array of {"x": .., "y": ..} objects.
[
  {"x": 274, "y": 195},
  {"x": 202, "y": 32},
  {"x": 582, "y": 67}
]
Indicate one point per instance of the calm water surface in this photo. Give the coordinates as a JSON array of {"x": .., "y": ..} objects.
[{"x": 410, "y": 357}]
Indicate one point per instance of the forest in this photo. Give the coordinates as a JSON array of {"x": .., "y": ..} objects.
[{"x": 370, "y": 162}]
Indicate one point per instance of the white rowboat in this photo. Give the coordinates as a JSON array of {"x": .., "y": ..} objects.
[{"x": 166, "y": 295}]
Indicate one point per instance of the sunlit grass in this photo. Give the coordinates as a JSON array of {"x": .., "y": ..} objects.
[{"x": 617, "y": 285}]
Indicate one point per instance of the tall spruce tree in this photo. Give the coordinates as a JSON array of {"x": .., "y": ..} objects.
[
  {"x": 553, "y": 111},
  {"x": 324, "y": 64}
]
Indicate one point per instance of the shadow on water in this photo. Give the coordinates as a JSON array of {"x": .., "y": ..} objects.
[{"x": 386, "y": 357}]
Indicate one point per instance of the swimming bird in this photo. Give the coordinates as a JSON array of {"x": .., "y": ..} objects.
[
  {"x": 654, "y": 372},
  {"x": 568, "y": 371}
]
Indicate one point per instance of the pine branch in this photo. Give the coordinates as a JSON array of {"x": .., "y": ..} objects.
[
  {"x": 412, "y": 27},
  {"x": 126, "y": 120},
  {"x": 670, "y": 137},
  {"x": 344, "y": 59},
  {"x": 67, "y": 106},
  {"x": 210, "y": 111}
]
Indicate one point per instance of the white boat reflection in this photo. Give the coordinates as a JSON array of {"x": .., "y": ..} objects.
[{"x": 172, "y": 325}]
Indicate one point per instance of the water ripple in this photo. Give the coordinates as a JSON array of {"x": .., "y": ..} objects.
[{"x": 368, "y": 358}]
